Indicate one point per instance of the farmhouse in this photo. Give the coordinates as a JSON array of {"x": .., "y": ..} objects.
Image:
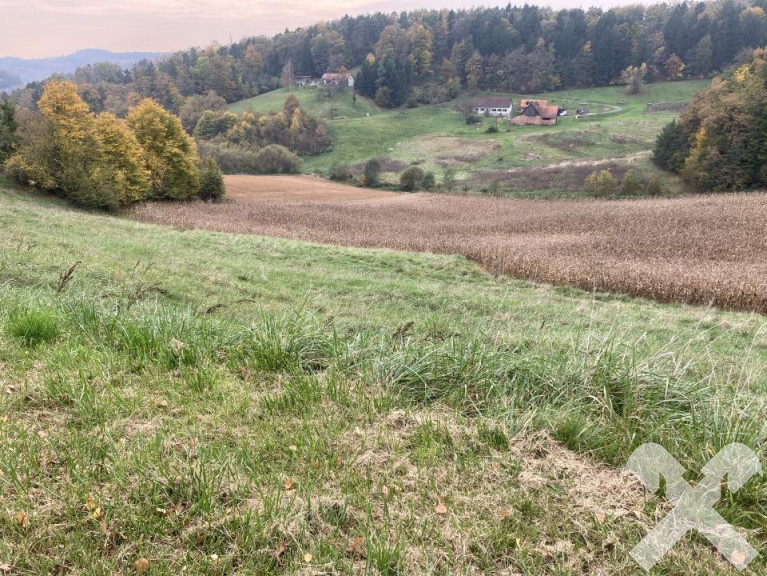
[
  {"x": 337, "y": 79},
  {"x": 536, "y": 112},
  {"x": 492, "y": 106}
]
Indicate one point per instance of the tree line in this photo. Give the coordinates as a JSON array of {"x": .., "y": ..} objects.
[
  {"x": 720, "y": 141},
  {"x": 255, "y": 143},
  {"x": 524, "y": 49},
  {"x": 100, "y": 160}
]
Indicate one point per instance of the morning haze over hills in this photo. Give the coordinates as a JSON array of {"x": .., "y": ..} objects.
[
  {"x": 442, "y": 290},
  {"x": 15, "y": 72}
]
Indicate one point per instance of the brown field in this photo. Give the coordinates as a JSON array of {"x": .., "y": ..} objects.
[
  {"x": 295, "y": 189},
  {"x": 698, "y": 250}
]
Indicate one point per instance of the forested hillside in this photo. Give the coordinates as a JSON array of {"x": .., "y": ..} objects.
[
  {"x": 720, "y": 142},
  {"x": 431, "y": 54}
]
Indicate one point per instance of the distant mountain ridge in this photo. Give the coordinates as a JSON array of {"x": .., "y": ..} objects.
[{"x": 19, "y": 71}]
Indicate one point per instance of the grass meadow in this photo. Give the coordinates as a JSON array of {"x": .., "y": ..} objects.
[
  {"x": 435, "y": 137},
  {"x": 198, "y": 402}
]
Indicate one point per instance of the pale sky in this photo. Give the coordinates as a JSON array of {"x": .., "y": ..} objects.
[{"x": 39, "y": 28}]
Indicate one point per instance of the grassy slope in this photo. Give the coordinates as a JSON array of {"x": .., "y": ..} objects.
[
  {"x": 395, "y": 134},
  {"x": 299, "y": 414},
  {"x": 313, "y": 101}
]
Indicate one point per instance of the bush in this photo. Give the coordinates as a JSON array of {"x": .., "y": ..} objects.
[
  {"x": 601, "y": 182},
  {"x": 472, "y": 119},
  {"x": 372, "y": 172},
  {"x": 492, "y": 129},
  {"x": 429, "y": 181},
  {"x": 276, "y": 159},
  {"x": 448, "y": 179},
  {"x": 231, "y": 159},
  {"x": 412, "y": 179},
  {"x": 339, "y": 172},
  {"x": 655, "y": 188},
  {"x": 211, "y": 181},
  {"x": 630, "y": 185}
]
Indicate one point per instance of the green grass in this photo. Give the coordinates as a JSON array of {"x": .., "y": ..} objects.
[
  {"x": 228, "y": 404},
  {"x": 314, "y": 101},
  {"x": 622, "y": 128}
]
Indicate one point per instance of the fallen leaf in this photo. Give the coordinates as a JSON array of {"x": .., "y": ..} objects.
[
  {"x": 141, "y": 565},
  {"x": 97, "y": 514},
  {"x": 200, "y": 540},
  {"x": 161, "y": 511},
  {"x": 214, "y": 557},
  {"x": 355, "y": 544},
  {"x": 90, "y": 504},
  {"x": 22, "y": 519},
  {"x": 5, "y": 567},
  {"x": 504, "y": 513},
  {"x": 160, "y": 403},
  {"x": 385, "y": 491},
  {"x": 280, "y": 549},
  {"x": 441, "y": 508},
  {"x": 600, "y": 516},
  {"x": 307, "y": 557}
]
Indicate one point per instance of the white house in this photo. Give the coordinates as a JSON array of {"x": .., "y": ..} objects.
[
  {"x": 493, "y": 106},
  {"x": 337, "y": 79}
]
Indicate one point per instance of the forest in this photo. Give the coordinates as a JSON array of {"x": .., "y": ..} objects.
[
  {"x": 720, "y": 141},
  {"x": 438, "y": 52}
]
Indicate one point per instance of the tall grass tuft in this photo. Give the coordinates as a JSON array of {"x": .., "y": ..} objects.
[{"x": 33, "y": 326}]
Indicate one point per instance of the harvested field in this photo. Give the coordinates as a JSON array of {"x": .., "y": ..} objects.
[
  {"x": 296, "y": 189},
  {"x": 698, "y": 250}
]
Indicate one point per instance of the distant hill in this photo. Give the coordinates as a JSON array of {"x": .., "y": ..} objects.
[{"x": 15, "y": 72}]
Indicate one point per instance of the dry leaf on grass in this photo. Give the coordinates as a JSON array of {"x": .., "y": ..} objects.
[
  {"x": 441, "y": 508},
  {"x": 141, "y": 565}
]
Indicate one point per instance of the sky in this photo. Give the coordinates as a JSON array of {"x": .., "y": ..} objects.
[{"x": 40, "y": 28}]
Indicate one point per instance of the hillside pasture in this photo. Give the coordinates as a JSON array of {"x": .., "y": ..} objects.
[
  {"x": 698, "y": 250},
  {"x": 194, "y": 402}
]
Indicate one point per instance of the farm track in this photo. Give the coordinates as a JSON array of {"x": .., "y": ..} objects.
[{"x": 697, "y": 250}]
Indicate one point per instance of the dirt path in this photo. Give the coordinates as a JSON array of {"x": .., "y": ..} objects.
[{"x": 589, "y": 162}]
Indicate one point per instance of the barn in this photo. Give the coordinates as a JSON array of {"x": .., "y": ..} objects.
[
  {"x": 492, "y": 107},
  {"x": 537, "y": 113}
]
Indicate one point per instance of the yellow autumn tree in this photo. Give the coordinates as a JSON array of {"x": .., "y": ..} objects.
[
  {"x": 75, "y": 147},
  {"x": 169, "y": 153},
  {"x": 121, "y": 160},
  {"x": 95, "y": 162}
]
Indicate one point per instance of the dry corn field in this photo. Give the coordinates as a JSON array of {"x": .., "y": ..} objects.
[{"x": 697, "y": 250}]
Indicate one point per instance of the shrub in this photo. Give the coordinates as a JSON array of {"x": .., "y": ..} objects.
[
  {"x": 448, "y": 179},
  {"x": 33, "y": 327},
  {"x": 372, "y": 172},
  {"x": 339, "y": 172},
  {"x": 655, "y": 188},
  {"x": 412, "y": 179},
  {"x": 630, "y": 185},
  {"x": 472, "y": 119},
  {"x": 276, "y": 159},
  {"x": 601, "y": 182},
  {"x": 492, "y": 129},
  {"x": 429, "y": 181},
  {"x": 231, "y": 159},
  {"x": 211, "y": 181}
]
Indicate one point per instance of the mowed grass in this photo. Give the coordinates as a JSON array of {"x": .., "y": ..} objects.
[
  {"x": 621, "y": 127},
  {"x": 226, "y": 404}
]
